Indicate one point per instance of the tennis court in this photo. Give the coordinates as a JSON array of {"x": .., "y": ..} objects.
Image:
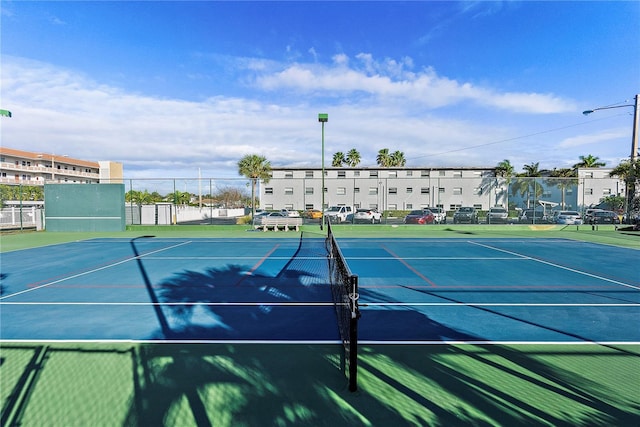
[{"x": 213, "y": 331}]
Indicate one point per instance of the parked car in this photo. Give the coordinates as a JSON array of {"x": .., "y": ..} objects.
[
  {"x": 588, "y": 215},
  {"x": 465, "y": 214},
  {"x": 367, "y": 215},
  {"x": 440, "y": 215},
  {"x": 312, "y": 214},
  {"x": 292, "y": 214},
  {"x": 497, "y": 215},
  {"x": 567, "y": 217},
  {"x": 423, "y": 216},
  {"x": 605, "y": 217},
  {"x": 531, "y": 216},
  {"x": 338, "y": 213}
]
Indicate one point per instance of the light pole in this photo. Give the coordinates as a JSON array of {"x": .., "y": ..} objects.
[
  {"x": 634, "y": 145},
  {"x": 634, "y": 135},
  {"x": 322, "y": 118}
]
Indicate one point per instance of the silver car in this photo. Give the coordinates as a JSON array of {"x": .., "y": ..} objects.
[
  {"x": 568, "y": 217},
  {"x": 497, "y": 215}
]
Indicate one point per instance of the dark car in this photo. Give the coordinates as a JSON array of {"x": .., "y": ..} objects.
[
  {"x": 424, "y": 216},
  {"x": 605, "y": 217},
  {"x": 466, "y": 214},
  {"x": 531, "y": 216}
]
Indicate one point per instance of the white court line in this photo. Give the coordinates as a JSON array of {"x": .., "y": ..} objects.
[
  {"x": 584, "y": 273},
  {"x": 179, "y": 304},
  {"x": 363, "y": 305},
  {"x": 91, "y": 271},
  {"x": 322, "y": 342}
]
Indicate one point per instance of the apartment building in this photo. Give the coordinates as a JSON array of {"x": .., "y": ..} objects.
[
  {"x": 415, "y": 188},
  {"x": 19, "y": 167}
]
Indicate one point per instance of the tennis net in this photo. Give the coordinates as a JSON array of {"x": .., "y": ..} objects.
[{"x": 344, "y": 288}]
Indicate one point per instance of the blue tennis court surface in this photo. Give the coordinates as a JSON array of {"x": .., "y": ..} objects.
[{"x": 269, "y": 290}]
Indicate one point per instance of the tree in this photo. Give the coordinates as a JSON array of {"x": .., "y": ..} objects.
[
  {"x": 383, "y": 159},
  {"x": 353, "y": 158},
  {"x": 563, "y": 179},
  {"x": 629, "y": 171},
  {"x": 397, "y": 159},
  {"x": 589, "y": 161},
  {"x": 505, "y": 169},
  {"x": 525, "y": 185},
  {"x": 255, "y": 168},
  {"x": 338, "y": 159}
]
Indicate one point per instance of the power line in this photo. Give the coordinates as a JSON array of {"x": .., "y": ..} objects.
[{"x": 514, "y": 138}]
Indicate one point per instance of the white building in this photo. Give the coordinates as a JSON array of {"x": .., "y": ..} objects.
[{"x": 414, "y": 188}]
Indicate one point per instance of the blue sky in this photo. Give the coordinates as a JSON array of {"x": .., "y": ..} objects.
[{"x": 173, "y": 88}]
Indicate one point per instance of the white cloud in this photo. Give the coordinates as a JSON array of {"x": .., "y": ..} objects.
[
  {"x": 395, "y": 79},
  {"x": 594, "y": 138},
  {"x": 64, "y": 112}
]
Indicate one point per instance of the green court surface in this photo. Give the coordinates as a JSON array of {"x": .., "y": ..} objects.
[
  {"x": 94, "y": 384},
  {"x": 101, "y": 383}
]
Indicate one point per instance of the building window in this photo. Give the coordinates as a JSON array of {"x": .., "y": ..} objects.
[
  {"x": 457, "y": 191},
  {"x": 356, "y": 173},
  {"x": 409, "y": 173},
  {"x": 341, "y": 191},
  {"x": 308, "y": 174},
  {"x": 425, "y": 173},
  {"x": 288, "y": 191},
  {"x": 268, "y": 190},
  {"x": 373, "y": 174},
  {"x": 288, "y": 175},
  {"x": 441, "y": 173},
  {"x": 606, "y": 191},
  {"x": 393, "y": 174},
  {"x": 308, "y": 206},
  {"x": 373, "y": 191},
  {"x": 393, "y": 207},
  {"x": 457, "y": 174},
  {"x": 546, "y": 195},
  {"x": 424, "y": 190},
  {"x": 454, "y": 207},
  {"x": 268, "y": 207},
  {"x": 409, "y": 206},
  {"x": 588, "y": 174},
  {"x": 356, "y": 189},
  {"x": 393, "y": 190},
  {"x": 308, "y": 190},
  {"x": 409, "y": 190},
  {"x": 588, "y": 191},
  {"x": 441, "y": 190},
  {"x": 478, "y": 206},
  {"x": 342, "y": 174}
]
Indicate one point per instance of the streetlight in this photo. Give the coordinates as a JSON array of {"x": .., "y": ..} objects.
[
  {"x": 634, "y": 136},
  {"x": 322, "y": 118},
  {"x": 634, "y": 142}
]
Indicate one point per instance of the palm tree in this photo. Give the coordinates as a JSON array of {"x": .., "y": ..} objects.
[
  {"x": 383, "y": 158},
  {"x": 338, "y": 159},
  {"x": 353, "y": 158},
  {"x": 629, "y": 171},
  {"x": 505, "y": 170},
  {"x": 525, "y": 185},
  {"x": 397, "y": 159},
  {"x": 563, "y": 178},
  {"x": 254, "y": 167},
  {"x": 589, "y": 161}
]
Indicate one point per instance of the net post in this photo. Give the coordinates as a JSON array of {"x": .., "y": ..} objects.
[{"x": 353, "y": 335}]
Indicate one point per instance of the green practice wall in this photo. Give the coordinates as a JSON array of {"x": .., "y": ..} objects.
[{"x": 84, "y": 207}]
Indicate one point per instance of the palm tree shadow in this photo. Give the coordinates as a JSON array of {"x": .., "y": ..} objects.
[{"x": 231, "y": 303}]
